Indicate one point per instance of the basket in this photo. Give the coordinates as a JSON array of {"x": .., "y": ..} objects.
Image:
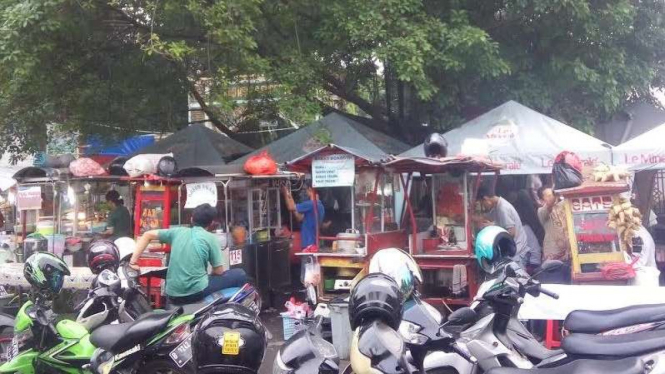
[{"x": 292, "y": 325}]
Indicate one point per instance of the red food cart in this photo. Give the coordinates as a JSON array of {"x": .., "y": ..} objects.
[{"x": 439, "y": 210}]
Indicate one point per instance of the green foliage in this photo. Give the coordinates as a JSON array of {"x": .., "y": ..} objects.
[{"x": 114, "y": 66}]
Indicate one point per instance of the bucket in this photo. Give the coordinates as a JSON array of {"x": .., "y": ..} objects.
[{"x": 341, "y": 327}]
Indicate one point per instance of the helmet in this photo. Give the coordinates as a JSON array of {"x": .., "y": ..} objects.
[
  {"x": 435, "y": 146},
  {"x": 208, "y": 340},
  {"x": 493, "y": 244},
  {"x": 125, "y": 246},
  {"x": 46, "y": 273},
  {"x": 398, "y": 265},
  {"x": 103, "y": 254},
  {"x": 167, "y": 166},
  {"x": 376, "y": 296}
]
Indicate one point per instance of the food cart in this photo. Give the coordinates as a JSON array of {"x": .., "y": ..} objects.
[
  {"x": 366, "y": 196},
  {"x": 592, "y": 242},
  {"x": 439, "y": 209}
]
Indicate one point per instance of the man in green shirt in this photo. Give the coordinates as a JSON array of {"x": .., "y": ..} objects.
[
  {"x": 192, "y": 249},
  {"x": 119, "y": 223}
]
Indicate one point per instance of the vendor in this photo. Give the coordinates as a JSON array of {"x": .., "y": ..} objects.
[
  {"x": 119, "y": 221},
  {"x": 306, "y": 213}
]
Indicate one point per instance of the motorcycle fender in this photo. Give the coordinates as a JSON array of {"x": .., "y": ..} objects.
[
  {"x": 6, "y": 321},
  {"x": 439, "y": 360},
  {"x": 20, "y": 364}
]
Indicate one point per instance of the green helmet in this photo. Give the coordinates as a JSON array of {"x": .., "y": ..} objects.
[
  {"x": 46, "y": 273},
  {"x": 493, "y": 244}
]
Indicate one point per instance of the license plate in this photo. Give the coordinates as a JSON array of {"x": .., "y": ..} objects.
[
  {"x": 231, "y": 343},
  {"x": 12, "y": 350},
  {"x": 235, "y": 257},
  {"x": 183, "y": 352}
]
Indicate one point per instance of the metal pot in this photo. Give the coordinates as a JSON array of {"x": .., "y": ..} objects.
[{"x": 347, "y": 246}]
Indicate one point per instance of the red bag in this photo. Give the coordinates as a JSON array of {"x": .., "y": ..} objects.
[
  {"x": 86, "y": 167},
  {"x": 261, "y": 164},
  {"x": 569, "y": 158}
]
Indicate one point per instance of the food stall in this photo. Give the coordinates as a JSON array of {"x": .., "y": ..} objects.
[
  {"x": 364, "y": 221},
  {"x": 593, "y": 242},
  {"x": 439, "y": 216}
]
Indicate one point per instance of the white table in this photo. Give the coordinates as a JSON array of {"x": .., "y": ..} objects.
[
  {"x": 11, "y": 274},
  {"x": 587, "y": 297}
]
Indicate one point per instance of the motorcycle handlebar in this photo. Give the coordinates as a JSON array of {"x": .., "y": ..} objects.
[{"x": 549, "y": 293}]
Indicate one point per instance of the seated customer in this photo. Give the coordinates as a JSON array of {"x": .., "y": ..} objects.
[{"x": 192, "y": 249}]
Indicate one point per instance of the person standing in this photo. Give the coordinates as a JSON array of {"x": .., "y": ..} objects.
[
  {"x": 501, "y": 213},
  {"x": 307, "y": 214},
  {"x": 192, "y": 249},
  {"x": 551, "y": 215},
  {"x": 118, "y": 223}
]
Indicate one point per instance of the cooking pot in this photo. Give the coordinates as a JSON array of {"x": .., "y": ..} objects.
[{"x": 348, "y": 246}]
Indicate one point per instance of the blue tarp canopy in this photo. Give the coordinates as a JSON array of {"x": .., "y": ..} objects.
[{"x": 127, "y": 147}]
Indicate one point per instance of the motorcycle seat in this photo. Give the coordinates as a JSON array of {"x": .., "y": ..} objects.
[
  {"x": 629, "y": 365},
  {"x": 594, "y": 322},
  {"x": 614, "y": 345},
  {"x": 218, "y": 297},
  {"x": 121, "y": 337}
]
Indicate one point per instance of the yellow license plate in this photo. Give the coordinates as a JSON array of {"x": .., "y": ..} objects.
[{"x": 231, "y": 343}]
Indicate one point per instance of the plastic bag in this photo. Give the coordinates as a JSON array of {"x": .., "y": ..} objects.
[
  {"x": 261, "y": 164},
  {"x": 310, "y": 271},
  {"x": 143, "y": 164},
  {"x": 567, "y": 170},
  {"x": 86, "y": 167}
]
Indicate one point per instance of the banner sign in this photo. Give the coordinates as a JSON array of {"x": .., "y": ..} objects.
[
  {"x": 29, "y": 198},
  {"x": 336, "y": 170},
  {"x": 201, "y": 193}
]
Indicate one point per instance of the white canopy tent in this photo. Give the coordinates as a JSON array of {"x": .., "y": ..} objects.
[
  {"x": 644, "y": 152},
  {"x": 525, "y": 141}
]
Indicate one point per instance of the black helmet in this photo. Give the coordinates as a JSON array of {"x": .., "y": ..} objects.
[
  {"x": 229, "y": 321},
  {"x": 376, "y": 296},
  {"x": 46, "y": 273},
  {"x": 103, "y": 254},
  {"x": 167, "y": 166},
  {"x": 435, "y": 145}
]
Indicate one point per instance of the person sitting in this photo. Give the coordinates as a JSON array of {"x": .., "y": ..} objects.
[{"x": 192, "y": 249}]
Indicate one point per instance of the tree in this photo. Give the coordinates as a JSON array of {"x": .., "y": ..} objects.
[{"x": 100, "y": 65}]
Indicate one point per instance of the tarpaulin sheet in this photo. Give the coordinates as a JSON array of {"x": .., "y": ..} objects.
[
  {"x": 125, "y": 147},
  {"x": 644, "y": 152},
  {"x": 521, "y": 139}
]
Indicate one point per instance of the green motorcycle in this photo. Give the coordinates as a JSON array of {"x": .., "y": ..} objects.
[{"x": 40, "y": 346}]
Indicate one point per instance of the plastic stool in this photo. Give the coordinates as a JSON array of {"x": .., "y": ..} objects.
[
  {"x": 552, "y": 334},
  {"x": 155, "y": 297}
]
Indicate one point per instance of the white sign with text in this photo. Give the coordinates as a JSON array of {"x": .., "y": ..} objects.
[
  {"x": 201, "y": 193},
  {"x": 336, "y": 170}
]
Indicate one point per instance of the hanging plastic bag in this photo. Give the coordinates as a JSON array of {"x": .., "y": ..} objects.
[
  {"x": 261, "y": 164},
  {"x": 86, "y": 167},
  {"x": 310, "y": 271},
  {"x": 567, "y": 170}
]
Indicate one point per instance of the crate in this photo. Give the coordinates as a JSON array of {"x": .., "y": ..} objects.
[
  {"x": 292, "y": 325},
  {"x": 150, "y": 262}
]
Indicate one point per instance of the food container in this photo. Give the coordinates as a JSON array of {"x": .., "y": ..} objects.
[
  {"x": 73, "y": 244},
  {"x": 348, "y": 246},
  {"x": 45, "y": 227}
]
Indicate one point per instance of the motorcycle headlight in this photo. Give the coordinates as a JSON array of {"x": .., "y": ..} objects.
[
  {"x": 279, "y": 367},
  {"x": 102, "y": 361},
  {"x": 410, "y": 333}
]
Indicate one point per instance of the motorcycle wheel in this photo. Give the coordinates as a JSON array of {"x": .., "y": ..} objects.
[
  {"x": 6, "y": 335},
  {"x": 161, "y": 367}
]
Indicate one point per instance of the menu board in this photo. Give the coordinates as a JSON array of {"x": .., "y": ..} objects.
[
  {"x": 590, "y": 225},
  {"x": 152, "y": 215}
]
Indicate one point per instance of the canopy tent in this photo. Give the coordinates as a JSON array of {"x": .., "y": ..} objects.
[
  {"x": 332, "y": 129},
  {"x": 644, "y": 152},
  {"x": 7, "y": 170},
  {"x": 198, "y": 145},
  {"x": 523, "y": 140}
]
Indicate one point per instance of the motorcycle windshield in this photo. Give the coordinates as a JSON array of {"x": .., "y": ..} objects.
[{"x": 384, "y": 346}]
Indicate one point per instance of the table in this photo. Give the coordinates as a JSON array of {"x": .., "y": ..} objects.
[
  {"x": 587, "y": 297},
  {"x": 11, "y": 274}
]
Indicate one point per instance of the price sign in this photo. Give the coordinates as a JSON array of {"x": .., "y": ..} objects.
[
  {"x": 235, "y": 257},
  {"x": 336, "y": 170},
  {"x": 29, "y": 198}
]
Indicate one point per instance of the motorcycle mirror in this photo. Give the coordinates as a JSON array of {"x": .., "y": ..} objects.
[{"x": 462, "y": 316}]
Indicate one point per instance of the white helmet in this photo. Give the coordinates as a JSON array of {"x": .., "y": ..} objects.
[
  {"x": 125, "y": 246},
  {"x": 398, "y": 265}
]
